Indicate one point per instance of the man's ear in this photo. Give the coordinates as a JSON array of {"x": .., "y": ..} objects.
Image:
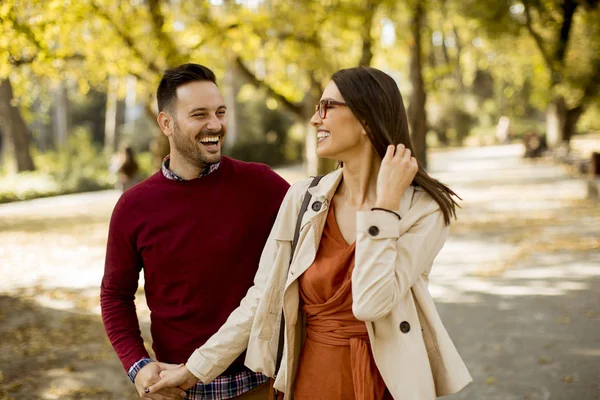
[{"x": 165, "y": 122}]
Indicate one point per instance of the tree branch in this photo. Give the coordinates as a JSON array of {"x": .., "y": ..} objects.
[
  {"x": 26, "y": 30},
  {"x": 17, "y": 62},
  {"x": 569, "y": 7},
  {"x": 130, "y": 42},
  {"x": 173, "y": 55},
  {"x": 591, "y": 89},
  {"x": 539, "y": 41},
  {"x": 222, "y": 30},
  {"x": 292, "y": 107}
]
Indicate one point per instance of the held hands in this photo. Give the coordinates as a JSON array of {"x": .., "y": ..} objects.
[
  {"x": 150, "y": 374},
  {"x": 397, "y": 171},
  {"x": 179, "y": 376}
]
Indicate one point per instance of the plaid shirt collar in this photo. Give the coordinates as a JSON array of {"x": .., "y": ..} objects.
[{"x": 174, "y": 177}]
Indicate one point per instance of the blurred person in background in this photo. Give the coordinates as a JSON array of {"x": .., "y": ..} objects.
[
  {"x": 197, "y": 229},
  {"x": 503, "y": 130},
  {"x": 129, "y": 171},
  {"x": 360, "y": 322}
]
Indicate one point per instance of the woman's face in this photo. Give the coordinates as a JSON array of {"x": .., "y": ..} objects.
[{"x": 339, "y": 135}]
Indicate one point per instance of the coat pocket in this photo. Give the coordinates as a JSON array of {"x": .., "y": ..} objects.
[{"x": 428, "y": 334}]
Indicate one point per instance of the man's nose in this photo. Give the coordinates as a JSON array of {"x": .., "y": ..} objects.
[{"x": 214, "y": 124}]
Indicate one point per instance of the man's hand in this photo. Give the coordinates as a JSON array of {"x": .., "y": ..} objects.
[
  {"x": 150, "y": 374},
  {"x": 179, "y": 376}
]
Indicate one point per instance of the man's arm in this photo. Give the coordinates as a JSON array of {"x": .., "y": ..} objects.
[{"x": 119, "y": 284}]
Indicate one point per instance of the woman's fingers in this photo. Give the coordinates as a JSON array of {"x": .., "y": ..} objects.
[
  {"x": 164, "y": 366},
  {"x": 400, "y": 148},
  {"x": 406, "y": 156},
  {"x": 167, "y": 384},
  {"x": 162, "y": 391},
  {"x": 389, "y": 153}
]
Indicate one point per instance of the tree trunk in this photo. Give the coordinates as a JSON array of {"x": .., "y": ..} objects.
[
  {"x": 417, "y": 116},
  {"x": 367, "y": 41},
  {"x": 231, "y": 89},
  {"x": 130, "y": 106},
  {"x": 570, "y": 126},
  {"x": 15, "y": 130},
  {"x": 61, "y": 116},
  {"x": 110, "y": 121},
  {"x": 561, "y": 122}
]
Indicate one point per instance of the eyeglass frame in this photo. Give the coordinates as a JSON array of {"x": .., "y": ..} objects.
[{"x": 326, "y": 104}]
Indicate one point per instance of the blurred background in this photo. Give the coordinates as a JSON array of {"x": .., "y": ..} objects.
[{"x": 503, "y": 106}]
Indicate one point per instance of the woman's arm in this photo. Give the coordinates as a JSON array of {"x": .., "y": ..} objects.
[{"x": 391, "y": 254}]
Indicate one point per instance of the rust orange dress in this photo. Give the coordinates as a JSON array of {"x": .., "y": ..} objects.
[{"x": 336, "y": 360}]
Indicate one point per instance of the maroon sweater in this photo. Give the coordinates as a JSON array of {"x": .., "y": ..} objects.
[{"x": 199, "y": 244}]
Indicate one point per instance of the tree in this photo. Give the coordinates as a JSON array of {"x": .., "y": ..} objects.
[
  {"x": 566, "y": 35},
  {"x": 288, "y": 48},
  {"x": 14, "y": 128},
  {"x": 417, "y": 115},
  {"x": 554, "y": 42}
]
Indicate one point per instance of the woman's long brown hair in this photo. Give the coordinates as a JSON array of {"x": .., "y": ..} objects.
[{"x": 375, "y": 100}]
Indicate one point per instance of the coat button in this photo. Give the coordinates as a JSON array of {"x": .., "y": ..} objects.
[
  {"x": 373, "y": 231},
  {"x": 404, "y": 327},
  {"x": 316, "y": 206}
]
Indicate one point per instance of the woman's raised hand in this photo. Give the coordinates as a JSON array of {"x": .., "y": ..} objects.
[{"x": 397, "y": 171}]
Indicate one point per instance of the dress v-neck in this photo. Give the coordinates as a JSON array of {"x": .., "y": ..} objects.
[{"x": 338, "y": 235}]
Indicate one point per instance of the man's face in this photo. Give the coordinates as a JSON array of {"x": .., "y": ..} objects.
[{"x": 199, "y": 124}]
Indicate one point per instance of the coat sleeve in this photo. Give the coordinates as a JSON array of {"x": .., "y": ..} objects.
[
  {"x": 391, "y": 254},
  {"x": 221, "y": 349}
]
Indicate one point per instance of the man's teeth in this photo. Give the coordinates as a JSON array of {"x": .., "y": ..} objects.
[
  {"x": 209, "y": 139},
  {"x": 321, "y": 135}
]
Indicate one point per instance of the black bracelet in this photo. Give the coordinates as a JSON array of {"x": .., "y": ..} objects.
[{"x": 385, "y": 209}]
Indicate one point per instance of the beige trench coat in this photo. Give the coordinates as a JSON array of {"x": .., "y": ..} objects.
[{"x": 410, "y": 345}]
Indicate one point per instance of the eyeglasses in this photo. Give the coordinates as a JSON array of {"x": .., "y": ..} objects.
[{"x": 324, "y": 105}]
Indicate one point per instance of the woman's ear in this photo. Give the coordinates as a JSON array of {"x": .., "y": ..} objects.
[{"x": 365, "y": 128}]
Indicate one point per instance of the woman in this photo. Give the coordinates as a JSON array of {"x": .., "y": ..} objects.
[
  {"x": 359, "y": 319},
  {"x": 128, "y": 172}
]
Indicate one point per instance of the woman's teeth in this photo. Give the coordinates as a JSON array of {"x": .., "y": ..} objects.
[{"x": 322, "y": 135}]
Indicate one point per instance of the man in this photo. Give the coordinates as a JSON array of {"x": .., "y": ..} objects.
[{"x": 197, "y": 229}]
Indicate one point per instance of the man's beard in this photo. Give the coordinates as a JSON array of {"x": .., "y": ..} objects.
[{"x": 189, "y": 150}]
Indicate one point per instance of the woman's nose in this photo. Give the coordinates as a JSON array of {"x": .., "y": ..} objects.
[{"x": 316, "y": 119}]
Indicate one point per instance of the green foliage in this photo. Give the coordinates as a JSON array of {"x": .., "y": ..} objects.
[
  {"x": 79, "y": 167},
  {"x": 146, "y": 163},
  {"x": 453, "y": 123},
  {"x": 28, "y": 185},
  {"x": 290, "y": 49},
  {"x": 263, "y": 130}
]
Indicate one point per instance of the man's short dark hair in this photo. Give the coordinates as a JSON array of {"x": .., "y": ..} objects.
[{"x": 178, "y": 76}]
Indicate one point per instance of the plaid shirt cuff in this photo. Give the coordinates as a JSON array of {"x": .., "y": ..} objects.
[{"x": 135, "y": 368}]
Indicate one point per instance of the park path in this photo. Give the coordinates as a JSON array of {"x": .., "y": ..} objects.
[{"x": 517, "y": 284}]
